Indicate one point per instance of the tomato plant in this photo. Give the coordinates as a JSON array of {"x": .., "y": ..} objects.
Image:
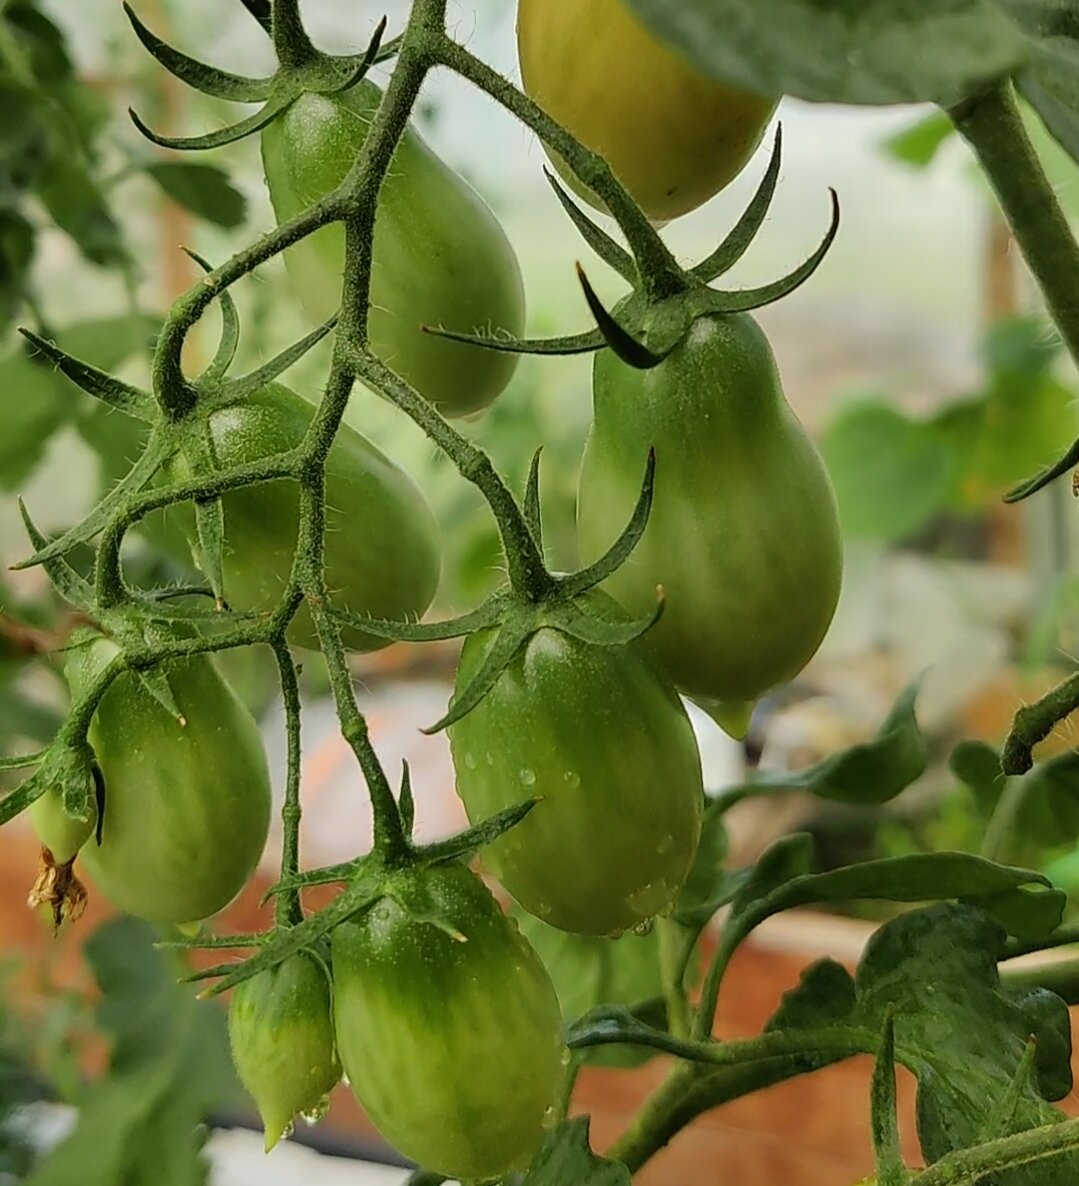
[
  {"x": 186, "y": 804},
  {"x": 417, "y": 1002},
  {"x": 382, "y": 555},
  {"x": 711, "y": 567},
  {"x": 744, "y": 532},
  {"x": 604, "y": 742},
  {"x": 282, "y": 1041},
  {"x": 440, "y": 257},
  {"x": 673, "y": 143}
]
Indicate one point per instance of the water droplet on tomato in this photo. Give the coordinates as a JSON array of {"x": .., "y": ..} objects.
[
  {"x": 666, "y": 843},
  {"x": 470, "y": 761},
  {"x": 550, "y": 1116},
  {"x": 528, "y": 777},
  {"x": 316, "y": 1114},
  {"x": 572, "y": 778},
  {"x": 644, "y": 927}
]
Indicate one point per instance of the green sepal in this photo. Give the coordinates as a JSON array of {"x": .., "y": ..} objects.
[
  {"x": 478, "y": 619},
  {"x": 410, "y": 891},
  {"x": 238, "y": 389},
  {"x": 602, "y": 244},
  {"x": 745, "y": 230},
  {"x": 1032, "y": 485},
  {"x": 230, "y": 328},
  {"x": 514, "y": 631},
  {"x": 327, "y": 875},
  {"x": 155, "y": 454},
  {"x": 748, "y": 299},
  {"x": 617, "y": 554},
  {"x": 156, "y": 682},
  {"x": 269, "y": 111},
  {"x": 469, "y": 842},
  {"x": 884, "y": 1121},
  {"x": 585, "y": 343},
  {"x": 406, "y": 804},
  {"x": 625, "y": 346},
  {"x": 531, "y": 506},
  {"x": 98, "y": 383},
  {"x": 21, "y": 761},
  {"x": 220, "y": 84},
  {"x": 595, "y": 631},
  {"x": 65, "y": 580}
]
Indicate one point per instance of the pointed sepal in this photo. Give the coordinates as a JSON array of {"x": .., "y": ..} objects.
[
  {"x": 238, "y": 389},
  {"x": 602, "y": 632},
  {"x": 625, "y": 346},
  {"x": 512, "y": 634},
  {"x": 98, "y": 383},
  {"x": 266, "y": 114},
  {"x": 406, "y": 804},
  {"x": 230, "y": 328},
  {"x": 478, "y": 619},
  {"x": 531, "y": 507},
  {"x": 66, "y": 581},
  {"x": 586, "y": 343},
  {"x": 602, "y": 244},
  {"x": 466, "y": 844},
  {"x": 155, "y": 681}
]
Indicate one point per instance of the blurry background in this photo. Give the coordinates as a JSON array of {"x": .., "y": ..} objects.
[{"x": 916, "y": 356}]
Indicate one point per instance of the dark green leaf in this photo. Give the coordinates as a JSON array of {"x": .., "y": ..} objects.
[
  {"x": 566, "y": 1159},
  {"x": 963, "y": 1035},
  {"x": 1051, "y": 81},
  {"x": 32, "y": 408},
  {"x": 870, "y": 773},
  {"x": 843, "y": 51},
  {"x": 203, "y": 189}
]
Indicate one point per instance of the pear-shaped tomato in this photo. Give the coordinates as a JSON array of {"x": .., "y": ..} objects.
[
  {"x": 282, "y": 1041},
  {"x": 673, "y": 137},
  {"x": 62, "y": 834},
  {"x": 452, "y": 1044},
  {"x": 382, "y": 540},
  {"x": 187, "y": 804},
  {"x": 599, "y": 735},
  {"x": 440, "y": 256},
  {"x": 744, "y": 532}
]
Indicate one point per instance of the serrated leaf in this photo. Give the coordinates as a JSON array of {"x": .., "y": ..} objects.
[
  {"x": 832, "y": 51},
  {"x": 205, "y": 190},
  {"x": 566, "y": 1158}
]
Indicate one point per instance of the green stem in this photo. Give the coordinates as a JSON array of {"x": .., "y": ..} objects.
[
  {"x": 993, "y": 126},
  {"x": 1061, "y": 977},
  {"x": 657, "y": 268},
  {"x": 1034, "y": 722},
  {"x": 969, "y": 1166},
  {"x": 672, "y": 964},
  {"x": 287, "y": 908},
  {"x": 713, "y": 980},
  {"x": 291, "y": 43}
]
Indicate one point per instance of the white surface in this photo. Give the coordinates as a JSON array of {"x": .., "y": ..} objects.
[{"x": 238, "y": 1160}]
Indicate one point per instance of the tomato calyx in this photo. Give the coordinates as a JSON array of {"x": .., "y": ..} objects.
[
  {"x": 644, "y": 330},
  {"x": 516, "y": 614},
  {"x": 301, "y": 69}
]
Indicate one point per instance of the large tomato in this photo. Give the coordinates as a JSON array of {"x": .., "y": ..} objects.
[
  {"x": 744, "y": 532},
  {"x": 187, "y": 806},
  {"x": 282, "y": 1041},
  {"x": 600, "y": 736},
  {"x": 440, "y": 256},
  {"x": 452, "y": 1045},
  {"x": 382, "y": 539},
  {"x": 673, "y": 137}
]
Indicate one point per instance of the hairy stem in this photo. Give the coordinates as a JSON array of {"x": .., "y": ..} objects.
[{"x": 287, "y": 909}]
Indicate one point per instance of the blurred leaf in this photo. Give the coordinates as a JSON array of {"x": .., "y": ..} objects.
[
  {"x": 589, "y": 972},
  {"x": 566, "y": 1158},
  {"x": 919, "y": 144},
  {"x": 868, "y": 774},
  {"x": 872, "y": 52},
  {"x": 77, "y": 205},
  {"x": 16, "y": 253},
  {"x": 205, "y": 190},
  {"x": 892, "y": 475},
  {"x": 168, "y": 1068},
  {"x": 32, "y": 409}
]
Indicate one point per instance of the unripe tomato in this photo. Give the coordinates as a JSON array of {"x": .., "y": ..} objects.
[
  {"x": 454, "y": 1048},
  {"x": 282, "y": 1041},
  {"x": 673, "y": 137},
  {"x": 600, "y": 736},
  {"x": 440, "y": 256},
  {"x": 187, "y": 806},
  {"x": 744, "y": 533},
  {"x": 383, "y": 553},
  {"x": 62, "y": 834}
]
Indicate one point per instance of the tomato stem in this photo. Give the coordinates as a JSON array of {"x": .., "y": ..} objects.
[
  {"x": 659, "y": 273},
  {"x": 291, "y": 43},
  {"x": 287, "y": 908}
]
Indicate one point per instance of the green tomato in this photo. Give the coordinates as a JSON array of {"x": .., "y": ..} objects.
[
  {"x": 440, "y": 256},
  {"x": 382, "y": 539},
  {"x": 744, "y": 532},
  {"x": 600, "y": 736},
  {"x": 282, "y": 1040},
  {"x": 673, "y": 137},
  {"x": 187, "y": 806},
  {"x": 62, "y": 834},
  {"x": 452, "y": 1045}
]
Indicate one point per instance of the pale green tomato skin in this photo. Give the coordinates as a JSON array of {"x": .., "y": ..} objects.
[
  {"x": 62, "y": 834},
  {"x": 673, "y": 137},
  {"x": 453, "y": 1048},
  {"x": 282, "y": 1041},
  {"x": 440, "y": 256},
  {"x": 383, "y": 548},
  {"x": 744, "y": 532},
  {"x": 187, "y": 806},
  {"x": 600, "y": 736}
]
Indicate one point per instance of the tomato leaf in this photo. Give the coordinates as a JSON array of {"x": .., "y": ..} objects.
[
  {"x": 168, "y": 1069},
  {"x": 919, "y": 144},
  {"x": 831, "y": 51},
  {"x": 566, "y": 1157},
  {"x": 960, "y": 1030},
  {"x": 870, "y": 773},
  {"x": 1051, "y": 82},
  {"x": 203, "y": 189}
]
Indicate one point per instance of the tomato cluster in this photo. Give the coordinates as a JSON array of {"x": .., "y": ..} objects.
[{"x": 427, "y": 996}]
